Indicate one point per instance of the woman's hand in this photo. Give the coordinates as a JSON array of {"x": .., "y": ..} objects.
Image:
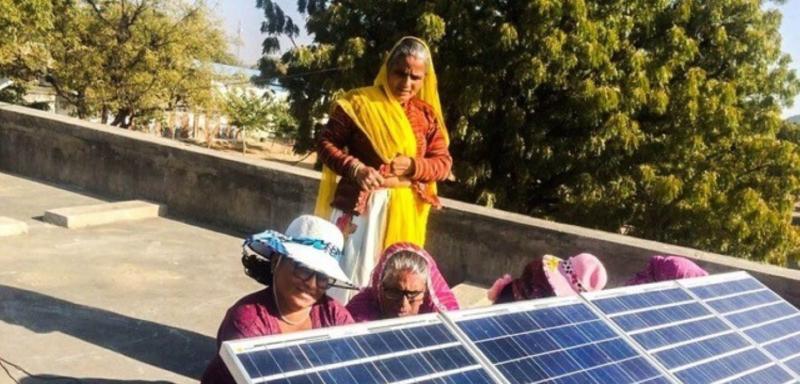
[
  {"x": 402, "y": 166},
  {"x": 368, "y": 178}
]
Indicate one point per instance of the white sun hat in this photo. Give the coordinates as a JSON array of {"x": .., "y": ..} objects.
[{"x": 309, "y": 240}]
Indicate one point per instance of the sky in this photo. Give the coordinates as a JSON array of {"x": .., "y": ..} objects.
[
  {"x": 244, "y": 14},
  {"x": 236, "y": 13}
]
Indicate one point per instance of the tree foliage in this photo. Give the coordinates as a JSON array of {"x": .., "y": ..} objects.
[
  {"x": 128, "y": 59},
  {"x": 657, "y": 116},
  {"x": 251, "y": 112},
  {"x": 24, "y": 28}
]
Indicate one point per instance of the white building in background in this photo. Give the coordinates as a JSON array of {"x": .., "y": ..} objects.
[
  {"x": 228, "y": 78},
  {"x": 241, "y": 77}
]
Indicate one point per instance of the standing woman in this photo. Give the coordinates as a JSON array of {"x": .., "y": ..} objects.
[{"x": 389, "y": 145}]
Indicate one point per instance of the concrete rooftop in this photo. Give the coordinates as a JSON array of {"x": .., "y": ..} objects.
[{"x": 135, "y": 302}]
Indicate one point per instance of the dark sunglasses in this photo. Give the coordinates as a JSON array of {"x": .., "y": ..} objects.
[
  {"x": 305, "y": 273},
  {"x": 394, "y": 294}
]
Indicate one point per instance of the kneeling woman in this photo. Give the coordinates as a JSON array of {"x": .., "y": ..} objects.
[
  {"x": 548, "y": 276},
  {"x": 298, "y": 268},
  {"x": 405, "y": 282}
]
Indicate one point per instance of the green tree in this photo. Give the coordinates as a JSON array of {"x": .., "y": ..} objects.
[
  {"x": 123, "y": 60},
  {"x": 247, "y": 111},
  {"x": 24, "y": 28},
  {"x": 660, "y": 117},
  {"x": 282, "y": 124}
]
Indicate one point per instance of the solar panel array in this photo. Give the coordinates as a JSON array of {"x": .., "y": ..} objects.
[
  {"x": 687, "y": 336},
  {"x": 719, "y": 329},
  {"x": 389, "y": 352},
  {"x": 759, "y": 315},
  {"x": 555, "y": 341}
]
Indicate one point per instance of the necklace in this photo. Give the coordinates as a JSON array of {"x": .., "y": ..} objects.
[{"x": 280, "y": 313}]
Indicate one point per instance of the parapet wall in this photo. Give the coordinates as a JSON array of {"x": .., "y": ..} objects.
[{"x": 228, "y": 190}]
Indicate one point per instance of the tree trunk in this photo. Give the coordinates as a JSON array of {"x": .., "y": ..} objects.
[
  {"x": 195, "y": 118},
  {"x": 244, "y": 142},
  {"x": 121, "y": 117}
]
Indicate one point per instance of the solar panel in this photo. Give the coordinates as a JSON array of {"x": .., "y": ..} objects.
[
  {"x": 726, "y": 328},
  {"x": 558, "y": 340},
  {"x": 418, "y": 349},
  {"x": 760, "y": 315},
  {"x": 681, "y": 328}
]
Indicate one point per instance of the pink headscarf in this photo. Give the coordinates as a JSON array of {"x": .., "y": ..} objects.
[
  {"x": 365, "y": 306},
  {"x": 662, "y": 268}
]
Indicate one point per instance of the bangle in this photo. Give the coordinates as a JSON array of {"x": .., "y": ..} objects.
[{"x": 357, "y": 165}]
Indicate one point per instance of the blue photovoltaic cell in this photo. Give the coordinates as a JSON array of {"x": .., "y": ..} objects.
[
  {"x": 726, "y": 288},
  {"x": 793, "y": 364},
  {"x": 689, "y": 338},
  {"x": 760, "y": 314},
  {"x": 473, "y": 376},
  {"x": 563, "y": 344},
  {"x": 724, "y": 367},
  {"x": 619, "y": 304},
  {"x": 771, "y": 374},
  {"x": 731, "y": 331},
  {"x": 419, "y": 351}
]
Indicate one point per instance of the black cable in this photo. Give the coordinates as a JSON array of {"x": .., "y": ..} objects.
[
  {"x": 3, "y": 365},
  {"x": 4, "y": 362},
  {"x": 304, "y": 157}
]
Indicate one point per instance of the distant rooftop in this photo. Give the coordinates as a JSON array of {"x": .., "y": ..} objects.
[
  {"x": 232, "y": 70},
  {"x": 249, "y": 73}
]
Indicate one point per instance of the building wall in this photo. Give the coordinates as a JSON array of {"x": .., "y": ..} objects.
[{"x": 246, "y": 195}]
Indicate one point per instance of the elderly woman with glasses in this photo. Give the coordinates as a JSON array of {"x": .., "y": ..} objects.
[
  {"x": 405, "y": 282},
  {"x": 298, "y": 267}
]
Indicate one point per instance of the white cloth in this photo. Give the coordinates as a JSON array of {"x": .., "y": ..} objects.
[{"x": 363, "y": 247}]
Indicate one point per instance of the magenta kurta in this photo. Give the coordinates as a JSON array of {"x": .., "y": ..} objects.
[
  {"x": 661, "y": 268},
  {"x": 256, "y": 315}
]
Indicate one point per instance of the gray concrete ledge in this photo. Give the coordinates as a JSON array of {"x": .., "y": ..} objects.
[
  {"x": 101, "y": 214},
  {"x": 471, "y": 295},
  {"x": 469, "y": 242},
  {"x": 11, "y": 227}
]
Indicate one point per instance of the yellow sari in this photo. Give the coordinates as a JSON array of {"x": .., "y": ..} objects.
[{"x": 380, "y": 116}]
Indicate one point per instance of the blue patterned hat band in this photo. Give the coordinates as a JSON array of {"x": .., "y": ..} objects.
[{"x": 272, "y": 241}]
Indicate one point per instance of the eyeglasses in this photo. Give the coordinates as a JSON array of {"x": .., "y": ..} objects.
[
  {"x": 394, "y": 294},
  {"x": 324, "y": 282},
  {"x": 304, "y": 273}
]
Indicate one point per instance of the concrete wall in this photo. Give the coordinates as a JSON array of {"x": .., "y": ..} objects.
[{"x": 470, "y": 242}]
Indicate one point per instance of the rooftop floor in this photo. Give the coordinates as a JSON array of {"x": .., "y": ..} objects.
[{"x": 134, "y": 302}]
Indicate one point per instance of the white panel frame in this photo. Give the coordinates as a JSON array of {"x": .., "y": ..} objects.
[
  {"x": 452, "y": 317},
  {"x": 231, "y": 348},
  {"x": 688, "y": 284},
  {"x": 624, "y": 291}
]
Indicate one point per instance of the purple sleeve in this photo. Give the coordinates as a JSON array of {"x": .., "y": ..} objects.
[
  {"x": 661, "y": 268},
  {"x": 217, "y": 373},
  {"x": 232, "y": 328},
  {"x": 364, "y": 306},
  {"x": 247, "y": 318}
]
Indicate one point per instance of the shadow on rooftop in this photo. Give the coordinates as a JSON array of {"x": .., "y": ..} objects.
[{"x": 177, "y": 350}]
